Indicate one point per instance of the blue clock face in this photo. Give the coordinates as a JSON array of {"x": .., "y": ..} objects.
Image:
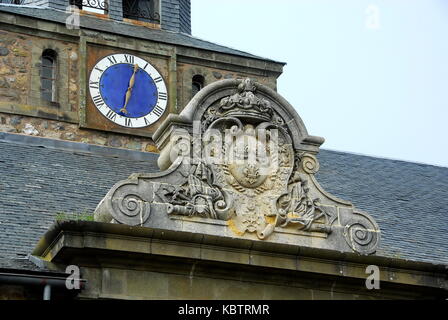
[
  {"x": 114, "y": 84},
  {"x": 128, "y": 90}
]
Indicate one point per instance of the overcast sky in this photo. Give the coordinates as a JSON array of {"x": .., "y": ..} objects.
[{"x": 371, "y": 77}]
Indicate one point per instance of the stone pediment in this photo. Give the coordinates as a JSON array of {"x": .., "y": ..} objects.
[{"x": 238, "y": 162}]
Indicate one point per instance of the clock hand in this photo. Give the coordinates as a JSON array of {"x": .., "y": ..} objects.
[{"x": 129, "y": 90}]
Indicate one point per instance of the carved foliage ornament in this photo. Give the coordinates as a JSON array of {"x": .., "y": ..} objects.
[{"x": 251, "y": 168}]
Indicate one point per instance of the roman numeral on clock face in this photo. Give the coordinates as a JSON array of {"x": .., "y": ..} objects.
[
  {"x": 128, "y": 122},
  {"x": 158, "y": 79},
  {"x": 158, "y": 111},
  {"x": 94, "y": 84},
  {"x": 163, "y": 96},
  {"x": 112, "y": 60},
  {"x": 98, "y": 100},
  {"x": 129, "y": 58},
  {"x": 111, "y": 115}
]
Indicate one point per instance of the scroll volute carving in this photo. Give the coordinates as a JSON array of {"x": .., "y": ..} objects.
[{"x": 239, "y": 153}]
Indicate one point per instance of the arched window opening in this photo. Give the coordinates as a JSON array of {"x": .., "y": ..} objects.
[
  {"x": 48, "y": 75},
  {"x": 197, "y": 84}
]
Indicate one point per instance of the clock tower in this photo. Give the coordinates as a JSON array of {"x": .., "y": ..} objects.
[{"x": 107, "y": 72}]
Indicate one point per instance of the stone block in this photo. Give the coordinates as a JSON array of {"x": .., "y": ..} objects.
[
  {"x": 175, "y": 250},
  {"x": 4, "y": 51}
]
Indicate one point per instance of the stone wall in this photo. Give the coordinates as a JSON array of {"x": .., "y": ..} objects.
[
  {"x": 68, "y": 131},
  {"x": 13, "y": 292},
  {"x": 16, "y": 292},
  {"x": 124, "y": 262},
  {"x": 15, "y": 60},
  {"x": 186, "y": 72},
  {"x": 20, "y": 62}
]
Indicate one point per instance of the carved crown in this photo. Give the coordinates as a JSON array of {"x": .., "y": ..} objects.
[{"x": 245, "y": 104}]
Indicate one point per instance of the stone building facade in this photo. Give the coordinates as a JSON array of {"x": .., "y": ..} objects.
[{"x": 27, "y": 32}]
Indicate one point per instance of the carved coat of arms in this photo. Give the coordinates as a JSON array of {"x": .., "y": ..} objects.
[{"x": 248, "y": 162}]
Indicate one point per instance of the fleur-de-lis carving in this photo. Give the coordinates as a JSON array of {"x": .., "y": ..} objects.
[{"x": 251, "y": 173}]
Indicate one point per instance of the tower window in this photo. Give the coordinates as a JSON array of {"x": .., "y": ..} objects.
[
  {"x": 197, "y": 84},
  {"x": 142, "y": 10},
  {"x": 48, "y": 75}
]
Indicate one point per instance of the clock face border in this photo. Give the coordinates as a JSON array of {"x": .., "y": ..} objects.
[{"x": 107, "y": 61}]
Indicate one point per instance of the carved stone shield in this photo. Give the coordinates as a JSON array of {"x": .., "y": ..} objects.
[{"x": 238, "y": 162}]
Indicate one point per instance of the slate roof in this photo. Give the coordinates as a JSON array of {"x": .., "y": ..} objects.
[
  {"x": 116, "y": 27},
  {"x": 22, "y": 265},
  {"x": 409, "y": 201},
  {"x": 39, "y": 182},
  {"x": 42, "y": 177}
]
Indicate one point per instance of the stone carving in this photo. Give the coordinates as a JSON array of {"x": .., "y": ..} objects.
[
  {"x": 240, "y": 154},
  {"x": 245, "y": 103},
  {"x": 297, "y": 207},
  {"x": 197, "y": 196}
]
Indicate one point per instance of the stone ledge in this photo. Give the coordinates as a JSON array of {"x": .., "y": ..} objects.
[
  {"x": 66, "y": 238},
  {"x": 39, "y": 112}
]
